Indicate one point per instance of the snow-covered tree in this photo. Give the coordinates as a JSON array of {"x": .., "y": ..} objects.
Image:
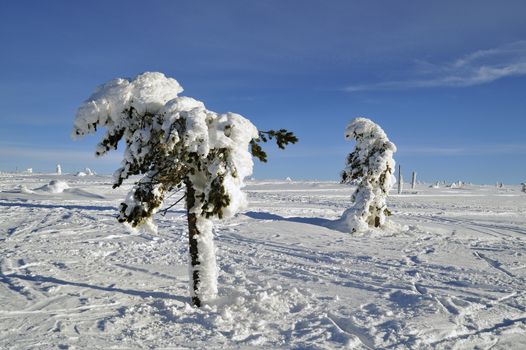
[
  {"x": 370, "y": 166},
  {"x": 59, "y": 169},
  {"x": 174, "y": 141}
]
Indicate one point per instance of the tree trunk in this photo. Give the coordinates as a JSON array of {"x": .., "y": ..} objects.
[
  {"x": 413, "y": 181},
  {"x": 193, "y": 233}
]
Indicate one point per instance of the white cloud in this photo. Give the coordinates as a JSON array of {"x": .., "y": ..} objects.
[{"x": 479, "y": 67}]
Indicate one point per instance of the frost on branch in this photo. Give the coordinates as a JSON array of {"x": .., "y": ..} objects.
[{"x": 370, "y": 166}]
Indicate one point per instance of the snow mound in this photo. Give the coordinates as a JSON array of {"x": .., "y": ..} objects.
[
  {"x": 85, "y": 172},
  {"x": 252, "y": 318},
  {"x": 24, "y": 189},
  {"x": 55, "y": 186}
]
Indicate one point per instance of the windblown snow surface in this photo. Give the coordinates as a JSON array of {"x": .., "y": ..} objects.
[{"x": 449, "y": 273}]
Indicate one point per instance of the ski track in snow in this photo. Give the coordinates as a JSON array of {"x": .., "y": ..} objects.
[{"x": 448, "y": 274}]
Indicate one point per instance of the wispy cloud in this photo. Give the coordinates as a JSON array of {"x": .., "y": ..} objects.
[
  {"x": 474, "y": 150},
  {"x": 409, "y": 150},
  {"x": 479, "y": 67}
]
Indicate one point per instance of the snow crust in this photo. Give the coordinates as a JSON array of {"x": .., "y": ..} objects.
[{"x": 447, "y": 272}]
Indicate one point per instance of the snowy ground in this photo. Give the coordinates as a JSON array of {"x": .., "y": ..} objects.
[{"x": 451, "y": 274}]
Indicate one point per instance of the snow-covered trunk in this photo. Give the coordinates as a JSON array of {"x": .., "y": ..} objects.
[
  {"x": 400, "y": 180},
  {"x": 202, "y": 267},
  {"x": 356, "y": 218},
  {"x": 413, "y": 181}
]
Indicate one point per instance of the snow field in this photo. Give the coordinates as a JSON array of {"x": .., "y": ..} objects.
[{"x": 449, "y": 273}]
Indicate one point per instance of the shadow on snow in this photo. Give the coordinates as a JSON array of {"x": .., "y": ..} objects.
[
  {"x": 139, "y": 293},
  {"x": 330, "y": 224},
  {"x": 56, "y": 206}
]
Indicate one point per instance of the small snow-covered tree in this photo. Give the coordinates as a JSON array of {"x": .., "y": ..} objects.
[
  {"x": 369, "y": 166},
  {"x": 59, "y": 170},
  {"x": 174, "y": 141}
]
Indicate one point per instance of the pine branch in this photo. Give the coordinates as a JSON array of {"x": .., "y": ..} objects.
[
  {"x": 257, "y": 151},
  {"x": 282, "y": 137}
]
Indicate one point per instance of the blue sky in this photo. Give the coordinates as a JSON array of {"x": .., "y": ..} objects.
[{"x": 445, "y": 79}]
